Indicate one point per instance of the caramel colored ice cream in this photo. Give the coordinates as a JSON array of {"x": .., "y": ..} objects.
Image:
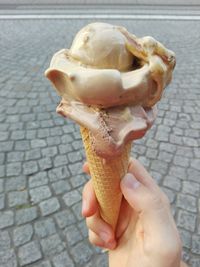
[{"x": 110, "y": 81}]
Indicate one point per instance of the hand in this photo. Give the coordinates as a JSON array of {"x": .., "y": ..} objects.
[{"x": 146, "y": 234}]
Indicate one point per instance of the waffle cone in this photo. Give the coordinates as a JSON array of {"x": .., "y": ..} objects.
[{"x": 106, "y": 176}]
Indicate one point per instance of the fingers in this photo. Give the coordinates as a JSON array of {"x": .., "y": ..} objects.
[
  {"x": 150, "y": 207},
  {"x": 89, "y": 204},
  {"x": 86, "y": 168},
  {"x": 104, "y": 234},
  {"x": 100, "y": 233}
]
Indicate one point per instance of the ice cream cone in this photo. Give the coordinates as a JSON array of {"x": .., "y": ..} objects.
[{"x": 106, "y": 175}]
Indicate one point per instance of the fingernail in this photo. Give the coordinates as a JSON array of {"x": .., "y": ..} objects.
[
  {"x": 111, "y": 245},
  {"x": 130, "y": 181},
  {"x": 84, "y": 206},
  {"x": 105, "y": 236}
]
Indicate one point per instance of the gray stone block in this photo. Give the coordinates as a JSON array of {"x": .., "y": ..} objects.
[
  {"x": 6, "y": 218},
  {"x": 5, "y": 241},
  {"x": 37, "y": 143},
  {"x": 17, "y": 198},
  {"x": 49, "y": 206},
  {"x": 62, "y": 260},
  {"x": 73, "y": 235},
  {"x": 191, "y": 188},
  {"x": 8, "y": 258},
  {"x": 39, "y": 193},
  {"x": 15, "y": 183},
  {"x": 29, "y": 253},
  {"x": 30, "y": 167},
  {"x": 187, "y": 202},
  {"x": 26, "y": 215},
  {"x": 52, "y": 245},
  {"x": 22, "y": 234},
  {"x": 45, "y": 163},
  {"x": 13, "y": 169},
  {"x": 33, "y": 154},
  {"x": 81, "y": 253},
  {"x": 58, "y": 174},
  {"x": 186, "y": 220},
  {"x": 45, "y": 228},
  {"x": 49, "y": 151},
  {"x": 22, "y": 145},
  {"x": 15, "y": 156},
  {"x": 7, "y": 146},
  {"x": 61, "y": 187},
  {"x": 196, "y": 244},
  {"x": 65, "y": 218},
  {"x": 2, "y": 201},
  {"x": 71, "y": 197},
  {"x": 38, "y": 179},
  {"x": 60, "y": 160}
]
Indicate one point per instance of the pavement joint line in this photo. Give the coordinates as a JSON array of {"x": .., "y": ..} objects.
[{"x": 100, "y": 16}]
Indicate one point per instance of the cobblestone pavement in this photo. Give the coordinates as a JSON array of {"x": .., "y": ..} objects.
[{"x": 41, "y": 154}]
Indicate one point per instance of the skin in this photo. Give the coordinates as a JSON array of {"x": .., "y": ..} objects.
[{"x": 146, "y": 234}]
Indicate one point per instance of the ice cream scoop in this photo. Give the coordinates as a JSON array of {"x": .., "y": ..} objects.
[{"x": 110, "y": 81}]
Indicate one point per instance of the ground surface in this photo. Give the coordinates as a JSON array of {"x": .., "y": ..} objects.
[{"x": 41, "y": 153}]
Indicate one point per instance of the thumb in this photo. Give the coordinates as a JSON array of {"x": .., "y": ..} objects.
[{"x": 148, "y": 204}]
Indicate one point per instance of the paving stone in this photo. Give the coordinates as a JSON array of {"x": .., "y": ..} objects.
[
  {"x": 2, "y": 170},
  {"x": 50, "y": 151},
  {"x": 168, "y": 147},
  {"x": 43, "y": 133},
  {"x": 26, "y": 215},
  {"x": 62, "y": 260},
  {"x": 98, "y": 261},
  {"x": 18, "y": 135},
  {"x": 38, "y": 179},
  {"x": 65, "y": 148},
  {"x": 7, "y": 146},
  {"x": 17, "y": 198},
  {"x": 29, "y": 253},
  {"x": 187, "y": 202},
  {"x": 193, "y": 175},
  {"x": 160, "y": 166},
  {"x": 186, "y": 238},
  {"x": 2, "y": 158},
  {"x": 81, "y": 253},
  {"x": 4, "y": 136},
  {"x": 83, "y": 228},
  {"x": 65, "y": 218},
  {"x": 188, "y": 141},
  {"x": 33, "y": 154},
  {"x": 22, "y": 145},
  {"x": 73, "y": 235},
  {"x": 61, "y": 187},
  {"x": 30, "y": 134},
  {"x": 49, "y": 206},
  {"x": 196, "y": 244},
  {"x": 60, "y": 160},
  {"x": 165, "y": 156},
  {"x": 15, "y": 156},
  {"x": 13, "y": 169},
  {"x": 39, "y": 193},
  {"x": 77, "y": 181},
  {"x": 22, "y": 234},
  {"x": 43, "y": 264},
  {"x": 76, "y": 144},
  {"x": 45, "y": 163},
  {"x": 68, "y": 128},
  {"x": 30, "y": 167},
  {"x": 1, "y": 185},
  {"x": 52, "y": 245},
  {"x": 52, "y": 141},
  {"x": 181, "y": 161},
  {"x": 58, "y": 174},
  {"x": 6, "y": 218},
  {"x": 8, "y": 258},
  {"x": 162, "y": 136},
  {"x": 74, "y": 156},
  {"x": 5, "y": 242},
  {"x": 194, "y": 262},
  {"x": 45, "y": 227},
  {"x": 71, "y": 197},
  {"x": 36, "y": 143},
  {"x": 2, "y": 201},
  {"x": 76, "y": 168},
  {"x": 15, "y": 183},
  {"x": 178, "y": 172},
  {"x": 195, "y": 163},
  {"x": 191, "y": 188},
  {"x": 186, "y": 220},
  {"x": 172, "y": 182}
]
